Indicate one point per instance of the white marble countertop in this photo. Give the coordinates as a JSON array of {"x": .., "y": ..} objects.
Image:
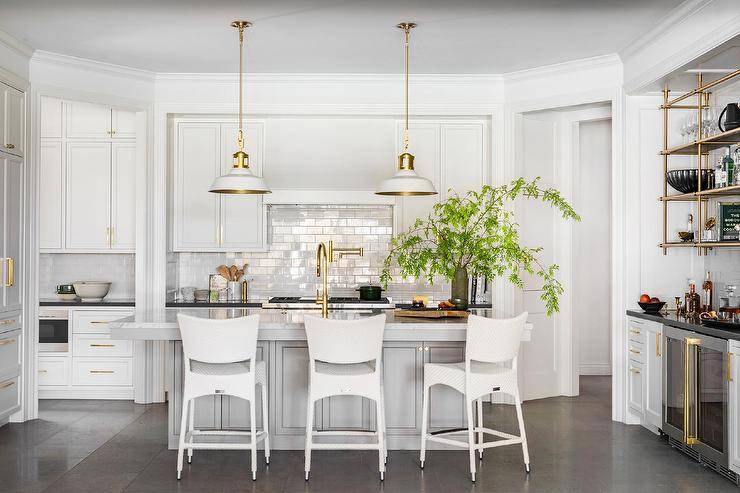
[{"x": 287, "y": 325}]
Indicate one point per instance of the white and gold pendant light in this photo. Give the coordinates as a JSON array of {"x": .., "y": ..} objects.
[
  {"x": 406, "y": 181},
  {"x": 240, "y": 179}
]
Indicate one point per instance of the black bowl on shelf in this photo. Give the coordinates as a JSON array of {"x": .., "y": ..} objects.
[
  {"x": 652, "y": 307},
  {"x": 685, "y": 180}
]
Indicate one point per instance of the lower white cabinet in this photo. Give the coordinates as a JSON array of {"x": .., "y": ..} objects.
[
  {"x": 96, "y": 366},
  {"x": 10, "y": 364},
  {"x": 645, "y": 371},
  {"x": 635, "y": 387},
  {"x": 733, "y": 414}
]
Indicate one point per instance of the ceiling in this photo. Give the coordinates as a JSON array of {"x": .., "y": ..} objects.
[{"x": 332, "y": 36}]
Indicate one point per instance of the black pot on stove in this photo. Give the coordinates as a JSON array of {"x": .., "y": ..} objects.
[{"x": 370, "y": 293}]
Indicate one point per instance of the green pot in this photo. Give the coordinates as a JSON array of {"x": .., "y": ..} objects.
[{"x": 460, "y": 288}]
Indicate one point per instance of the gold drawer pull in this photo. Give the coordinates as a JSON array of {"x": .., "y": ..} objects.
[
  {"x": 6, "y": 384},
  {"x": 9, "y": 321},
  {"x": 636, "y": 332},
  {"x": 634, "y": 370},
  {"x": 729, "y": 366},
  {"x": 102, "y": 371},
  {"x": 5, "y": 342},
  {"x": 102, "y": 345},
  {"x": 633, "y": 350},
  {"x": 98, "y": 322},
  {"x": 9, "y": 146},
  {"x": 10, "y": 273},
  {"x": 43, "y": 371}
]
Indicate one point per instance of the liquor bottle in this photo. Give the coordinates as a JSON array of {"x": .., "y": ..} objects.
[
  {"x": 729, "y": 165},
  {"x": 737, "y": 163},
  {"x": 720, "y": 177},
  {"x": 693, "y": 300},
  {"x": 707, "y": 290},
  {"x": 690, "y": 227}
]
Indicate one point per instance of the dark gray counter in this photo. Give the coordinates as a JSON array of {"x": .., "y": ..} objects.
[
  {"x": 206, "y": 304},
  {"x": 78, "y": 303},
  {"x": 682, "y": 323}
]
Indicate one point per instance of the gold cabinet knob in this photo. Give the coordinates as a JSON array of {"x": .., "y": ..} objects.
[{"x": 9, "y": 146}]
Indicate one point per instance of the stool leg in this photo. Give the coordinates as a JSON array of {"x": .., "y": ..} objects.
[
  {"x": 191, "y": 427},
  {"x": 471, "y": 439},
  {"x": 379, "y": 420},
  {"x": 383, "y": 429},
  {"x": 424, "y": 425},
  {"x": 253, "y": 432},
  {"x": 265, "y": 423},
  {"x": 183, "y": 430},
  {"x": 479, "y": 412},
  {"x": 309, "y": 434},
  {"x": 522, "y": 433}
]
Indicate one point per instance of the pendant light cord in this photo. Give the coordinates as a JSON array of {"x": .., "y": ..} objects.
[
  {"x": 240, "y": 135},
  {"x": 406, "y": 92}
]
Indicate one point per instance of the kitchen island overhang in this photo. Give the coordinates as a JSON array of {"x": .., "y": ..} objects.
[{"x": 408, "y": 344}]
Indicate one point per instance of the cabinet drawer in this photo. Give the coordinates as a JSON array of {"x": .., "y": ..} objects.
[
  {"x": 10, "y": 322},
  {"x": 636, "y": 351},
  {"x": 100, "y": 345},
  {"x": 89, "y": 371},
  {"x": 10, "y": 351},
  {"x": 53, "y": 371},
  {"x": 636, "y": 330},
  {"x": 9, "y": 396},
  {"x": 95, "y": 322}
]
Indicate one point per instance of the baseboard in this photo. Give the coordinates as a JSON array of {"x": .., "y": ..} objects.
[
  {"x": 596, "y": 369},
  {"x": 126, "y": 393}
]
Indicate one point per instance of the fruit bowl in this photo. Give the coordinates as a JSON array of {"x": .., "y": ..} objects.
[
  {"x": 652, "y": 307},
  {"x": 686, "y": 181}
]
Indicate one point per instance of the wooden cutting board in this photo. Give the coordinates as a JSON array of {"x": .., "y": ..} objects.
[{"x": 431, "y": 313}]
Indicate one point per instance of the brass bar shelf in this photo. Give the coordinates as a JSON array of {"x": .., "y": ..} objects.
[
  {"x": 724, "y": 139},
  {"x": 732, "y": 191},
  {"x": 702, "y": 88},
  {"x": 701, "y": 244}
]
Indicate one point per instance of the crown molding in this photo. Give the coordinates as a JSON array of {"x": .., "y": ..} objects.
[
  {"x": 676, "y": 16},
  {"x": 16, "y": 44},
  {"x": 41, "y": 56},
  {"x": 293, "y": 78},
  {"x": 564, "y": 68}
]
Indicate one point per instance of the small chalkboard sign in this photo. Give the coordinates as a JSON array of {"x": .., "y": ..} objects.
[{"x": 729, "y": 221}]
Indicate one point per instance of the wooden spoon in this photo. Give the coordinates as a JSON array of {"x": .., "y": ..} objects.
[
  {"x": 239, "y": 274},
  {"x": 233, "y": 273},
  {"x": 224, "y": 272}
]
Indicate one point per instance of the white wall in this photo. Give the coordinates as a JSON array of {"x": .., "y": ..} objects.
[{"x": 591, "y": 247}]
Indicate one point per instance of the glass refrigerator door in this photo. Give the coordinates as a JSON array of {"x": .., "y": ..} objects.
[
  {"x": 711, "y": 398},
  {"x": 675, "y": 380}
]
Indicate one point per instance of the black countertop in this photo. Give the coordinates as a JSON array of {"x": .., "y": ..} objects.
[
  {"x": 687, "y": 324},
  {"x": 78, "y": 303},
  {"x": 206, "y": 304}
]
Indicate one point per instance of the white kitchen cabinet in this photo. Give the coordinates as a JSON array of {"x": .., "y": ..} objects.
[
  {"x": 10, "y": 351},
  {"x": 733, "y": 411},
  {"x": 123, "y": 196},
  {"x": 123, "y": 124},
  {"x": 51, "y": 198},
  {"x": 463, "y": 157},
  {"x": 87, "y": 120},
  {"x": 50, "y": 120},
  {"x": 11, "y": 232},
  {"x": 88, "y": 196},
  {"x": 14, "y": 121},
  {"x": 208, "y": 222},
  {"x": 653, "y": 377},
  {"x": 635, "y": 388}
]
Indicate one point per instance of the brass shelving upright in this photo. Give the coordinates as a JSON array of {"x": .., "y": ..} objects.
[{"x": 699, "y": 148}]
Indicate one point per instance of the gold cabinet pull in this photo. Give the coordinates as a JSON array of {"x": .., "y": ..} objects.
[
  {"x": 102, "y": 345},
  {"x": 657, "y": 344},
  {"x": 43, "y": 371},
  {"x": 102, "y": 371},
  {"x": 6, "y": 384},
  {"x": 5, "y": 342},
  {"x": 729, "y": 366},
  {"x": 10, "y": 272},
  {"x": 636, "y": 332},
  {"x": 634, "y": 370},
  {"x": 112, "y": 236},
  {"x": 99, "y": 322},
  {"x": 9, "y": 321},
  {"x": 635, "y": 351},
  {"x": 9, "y": 146}
]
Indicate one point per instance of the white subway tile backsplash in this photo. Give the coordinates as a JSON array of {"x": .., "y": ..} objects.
[{"x": 118, "y": 268}]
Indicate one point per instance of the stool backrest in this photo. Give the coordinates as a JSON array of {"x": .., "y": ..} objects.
[
  {"x": 345, "y": 341},
  {"x": 494, "y": 340},
  {"x": 219, "y": 341}
]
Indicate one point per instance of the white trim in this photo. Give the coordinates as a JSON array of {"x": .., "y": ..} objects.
[
  {"x": 595, "y": 369},
  {"x": 67, "y": 61},
  {"x": 569, "y": 67},
  {"x": 272, "y": 79},
  {"x": 13, "y": 80},
  {"x": 308, "y": 196},
  {"x": 124, "y": 393},
  {"x": 16, "y": 44}
]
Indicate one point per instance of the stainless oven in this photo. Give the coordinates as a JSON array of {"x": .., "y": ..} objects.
[
  {"x": 53, "y": 329},
  {"x": 695, "y": 385}
]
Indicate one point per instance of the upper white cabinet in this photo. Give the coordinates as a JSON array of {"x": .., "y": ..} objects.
[
  {"x": 451, "y": 154},
  {"x": 11, "y": 232},
  {"x": 208, "y": 222},
  {"x": 12, "y": 109},
  {"x": 98, "y": 122},
  {"x": 87, "y": 178}
]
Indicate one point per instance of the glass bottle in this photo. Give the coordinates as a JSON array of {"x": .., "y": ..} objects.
[
  {"x": 729, "y": 166},
  {"x": 720, "y": 177},
  {"x": 707, "y": 290},
  {"x": 693, "y": 300}
]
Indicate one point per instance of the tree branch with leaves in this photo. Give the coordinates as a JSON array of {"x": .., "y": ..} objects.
[{"x": 478, "y": 232}]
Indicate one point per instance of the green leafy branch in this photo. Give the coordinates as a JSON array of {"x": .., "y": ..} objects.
[{"x": 478, "y": 232}]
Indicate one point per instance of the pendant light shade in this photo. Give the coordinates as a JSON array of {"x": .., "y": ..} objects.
[
  {"x": 240, "y": 179},
  {"x": 406, "y": 182}
]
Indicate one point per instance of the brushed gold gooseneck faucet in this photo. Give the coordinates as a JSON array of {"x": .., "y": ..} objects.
[{"x": 322, "y": 270}]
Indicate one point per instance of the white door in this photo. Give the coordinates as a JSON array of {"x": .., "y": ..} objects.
[
  {"x": 198, "y": 160},
  {"x": 123, "y": 124},
  {"x": 463, "y": 155},
  {"x": 51, "y": 196},
  {"x": 87, "y": 121},
  {"x": 241, "y": 215},
  {"x": 424, "y": 144},
  {"x": 14, "y": 121},
  {"x": 123, "y": 196},
  {"x": 13, "y": 232},
  {"x": 88, "y": 195}
]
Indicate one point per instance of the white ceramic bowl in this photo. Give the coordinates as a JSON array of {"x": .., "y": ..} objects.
[
  {"x": 91, "y": 290},
  {"x": 66, "y": 296}
]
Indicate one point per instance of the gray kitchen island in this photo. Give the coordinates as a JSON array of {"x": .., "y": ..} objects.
[{"x": 408, "y": 344}]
